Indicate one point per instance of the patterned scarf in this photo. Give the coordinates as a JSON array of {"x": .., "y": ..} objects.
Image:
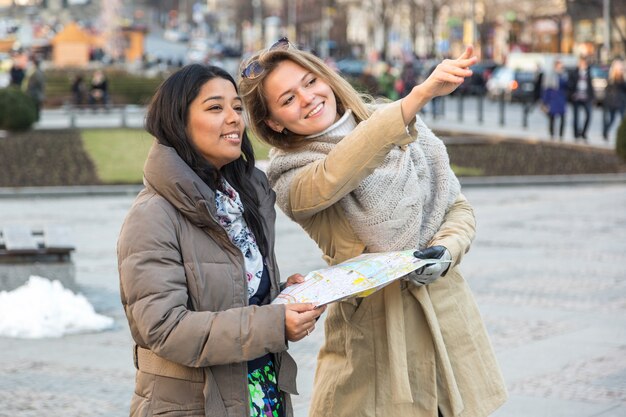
[{"x": 230, "y": 215}]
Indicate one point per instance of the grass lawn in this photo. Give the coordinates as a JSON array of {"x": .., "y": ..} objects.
[
  {"x": 119, "y": 154},
  {"x": 467, "y": 171}
]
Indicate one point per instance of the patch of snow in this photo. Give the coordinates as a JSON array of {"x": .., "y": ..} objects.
[{"x": 43, "y": 308}]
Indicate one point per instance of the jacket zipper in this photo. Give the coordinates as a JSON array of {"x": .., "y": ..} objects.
[{"x": 239, "y": 255}]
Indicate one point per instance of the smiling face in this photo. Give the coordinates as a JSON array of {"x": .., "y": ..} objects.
[
  {"x": 298, "y": 100},
  {"x": 215, "y": 123}
]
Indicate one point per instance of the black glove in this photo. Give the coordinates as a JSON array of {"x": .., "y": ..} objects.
[{"x": 430, "y": 272}]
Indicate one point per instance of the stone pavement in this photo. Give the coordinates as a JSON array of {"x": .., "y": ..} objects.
[{"x": 547, "y": 269}]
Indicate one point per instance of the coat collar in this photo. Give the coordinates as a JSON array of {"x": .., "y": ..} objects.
[{"x": 169, "y": 176}]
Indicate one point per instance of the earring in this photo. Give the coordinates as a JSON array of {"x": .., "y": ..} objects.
[{"x": 284, "y": 131}]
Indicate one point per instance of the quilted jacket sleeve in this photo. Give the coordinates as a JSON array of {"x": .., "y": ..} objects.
[{"x": 155, "y": 296}]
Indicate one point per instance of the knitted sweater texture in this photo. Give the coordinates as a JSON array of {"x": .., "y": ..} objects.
[{"x": 401, "y": 205}]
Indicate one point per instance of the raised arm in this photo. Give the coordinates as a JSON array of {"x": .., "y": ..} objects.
[
  {"x": 322, "y": 183},
  {"x": 446, "y": 77}
]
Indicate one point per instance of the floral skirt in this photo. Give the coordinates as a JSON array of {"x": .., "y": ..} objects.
[{"x": 265, "y": 397}]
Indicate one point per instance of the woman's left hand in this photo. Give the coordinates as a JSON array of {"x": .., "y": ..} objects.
[{"x": 294, "y": 279}]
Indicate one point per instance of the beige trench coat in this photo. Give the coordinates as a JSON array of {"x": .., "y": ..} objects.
[{"x": 405, "y": 350}]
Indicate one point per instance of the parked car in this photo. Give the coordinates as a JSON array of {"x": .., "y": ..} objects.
[
  {"x": 351, "y": 67},
  {"x": 174, "y": 35},
  {"x": 476, "y": 84},
  {"x": 514, "y": 85}
]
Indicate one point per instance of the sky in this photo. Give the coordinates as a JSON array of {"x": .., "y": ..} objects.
[{"x": 43, "y": 308}]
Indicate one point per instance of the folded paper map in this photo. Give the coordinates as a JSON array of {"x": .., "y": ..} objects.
[{"x": 356, "y": 277}]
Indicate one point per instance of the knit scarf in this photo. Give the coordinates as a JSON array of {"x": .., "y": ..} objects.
[{"x": 401, "y": 205}]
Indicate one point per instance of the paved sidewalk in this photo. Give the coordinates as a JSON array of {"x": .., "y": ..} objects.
[
  {"x": 513, "y": 127},
  {"x": 547, "y": 269}
]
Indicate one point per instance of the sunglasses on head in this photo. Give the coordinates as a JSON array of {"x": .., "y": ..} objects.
[{"x": 254, "y": 68}]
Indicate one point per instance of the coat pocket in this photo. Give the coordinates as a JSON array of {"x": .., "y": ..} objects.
[
  {"x": 177, "y": 410},
  {"x": 353, "y": 310},
  {"x": 177, "y": 397}
]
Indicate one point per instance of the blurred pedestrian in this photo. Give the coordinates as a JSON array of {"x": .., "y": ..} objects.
[
  {"x": 614, "y": 103},
  {"x": 386, "y": 82},
  {"x": 16, "y": 74},
  {"x": 79, "y": 90},
  {"x": 197, "y": 264},
  {"x": 581, "y": 95},
  {"x": 34, "y": 84},
  {"x": 554, "y": 97},
  {"x": 408, "y": 77},
  {"x": 99, "y": 89}
]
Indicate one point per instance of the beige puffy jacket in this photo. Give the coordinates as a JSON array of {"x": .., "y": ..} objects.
[{"x": 184, "y": 292}]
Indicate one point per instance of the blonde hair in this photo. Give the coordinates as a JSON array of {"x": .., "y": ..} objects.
[
  {"x": 255, "y": 100},
  {"x": 616, "y": 72}
]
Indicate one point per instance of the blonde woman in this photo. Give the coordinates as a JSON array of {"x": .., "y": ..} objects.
[
  {"x": 615, "y": 97},
  {"x": 359, "y": 179}
]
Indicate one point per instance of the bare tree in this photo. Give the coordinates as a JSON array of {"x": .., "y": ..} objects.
[
  {"x": 384, "y": 12},
  {"x": 426, "y": 13}
]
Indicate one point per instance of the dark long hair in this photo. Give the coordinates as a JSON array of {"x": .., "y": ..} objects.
[{"x": 166, "y": 120}]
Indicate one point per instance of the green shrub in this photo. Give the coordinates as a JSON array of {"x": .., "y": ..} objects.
[
  {"x": 620, "y": 142},
  {"x": 17, "y": 110}
]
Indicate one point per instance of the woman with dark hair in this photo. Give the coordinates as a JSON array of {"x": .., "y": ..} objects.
[{"x": 197, "y": 266}]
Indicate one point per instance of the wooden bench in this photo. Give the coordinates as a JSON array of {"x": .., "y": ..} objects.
[
  {"x": 122, "y": 112},
  {"x": 20, "y": 244}
]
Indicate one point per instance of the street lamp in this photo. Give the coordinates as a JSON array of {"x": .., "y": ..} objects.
[{"x": 606, "y": 8}]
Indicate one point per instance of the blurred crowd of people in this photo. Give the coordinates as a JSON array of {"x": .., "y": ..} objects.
[
  {"x": 560, "y": 86},
  {"x": 96, "y": 93},
  {"x": 556, "y": 91},
  {"x": 26, "y": 74}
]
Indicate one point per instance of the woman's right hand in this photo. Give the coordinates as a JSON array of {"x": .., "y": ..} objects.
[
  {"x": 300, "y": 320},
  {"x": 444, "y": 79}
]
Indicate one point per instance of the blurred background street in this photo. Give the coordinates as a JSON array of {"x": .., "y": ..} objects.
[
  {"x": 547, "y": 266},
  {"x": 383, "y": 47}
]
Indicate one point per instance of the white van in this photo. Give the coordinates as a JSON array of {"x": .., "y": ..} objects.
[{"x": 534, "y": 61}]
